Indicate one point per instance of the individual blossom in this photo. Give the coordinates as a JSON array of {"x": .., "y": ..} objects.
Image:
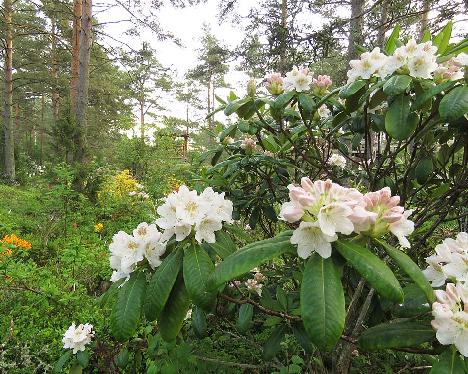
[
  {"x": 184, "y": 210},
  {"x": 298, "y": 79},
  {"x": 98, "y": 227},
  {"x": 254, "y": 286},
  {"x": 450, "y": 313},
  {"x": 450, "y": 261},
  {"x": 462, "y": 59},
  {"x": 337, "y": 160},
  {"x": 449, "y": 70},
  {"x": 323, "y": 111},
  {"x": 422, "y": 65},
  {"x": 382, "y": 214},
  {"x": 275, "y": 83},
  {"x": 248, "y": 145},
  {"x": 76, "y": 338},
  {"x": 369, "y": 63},
  {"x": 321, "y": 84}
]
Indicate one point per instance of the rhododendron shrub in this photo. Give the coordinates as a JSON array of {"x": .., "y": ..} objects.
[{"x": 344, "y": 186}]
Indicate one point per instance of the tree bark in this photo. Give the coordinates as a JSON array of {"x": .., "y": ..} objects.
[
  {"x": 142, "y": 119},
  {"x": 54, "y": 71},
  {"x": 75, "y": 62},
  {"x": 355, "y": 28},
  {"x": 8, "y": 133},
  {"x": 383, "y": 23},
  {"x": 424, "y": 18},
  {"x": 284, "y": 33},
  {"x": 83, "y": 81}
]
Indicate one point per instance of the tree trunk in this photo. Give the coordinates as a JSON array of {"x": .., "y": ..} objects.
[
  {"x": 209, "y": 103},
  {"x": 142, "y": 119},
  {"x": 83, "y": 82},
  {"x": 54, "y": 71},
  {"x": 383, "y": 24},
  {"x": 355, "y": 28},
  {"x": 424, "y": 18},
  {"x": 75, "y": 62},
  {"x": 8, "y": 133},
  {"x": 284, "y": 34}
]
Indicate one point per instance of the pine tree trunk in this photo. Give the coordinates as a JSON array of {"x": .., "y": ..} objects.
[
  {"x": 8, "y": 133},
  {"x": 383, "y": 24},
  {"x": 284, "y": 33},
  {"x": 83, "y": 84},
  {"x": 355, "y": 28},
  {"x": 142, "y": 119},
  {"x": 75, "y": 62},
  {"x": 209, "y": 102},
  {"x": 54, "y": 71},
  {"x": 424, "y": 18}
]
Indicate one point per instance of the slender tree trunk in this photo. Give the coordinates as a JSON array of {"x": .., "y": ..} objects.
[
  {"x": 54, "y": 71},
  {"x": 209, "y": 103},
  {"x": 75, "y": 62},
  {"x": 142, "y": 119},
  {"x": 41, "y": 134},
  {"x": 284, "y": 35},
  {"x": 83, "y": 81},
  {"x": 383, "y": 23},
  {"x": 424, "y": 18},
  {"x": 8, "y": 133},
  {"x": 355, "y": 28}
]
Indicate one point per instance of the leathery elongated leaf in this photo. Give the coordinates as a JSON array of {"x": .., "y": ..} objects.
[
  {"x": 322, "y": 302},
  {"x": 161, "y": 283},
  {"x": 127, "y": 308},
  {"x": 410, "y": 268},
  {"x": 198, "y": 267},
  {"x": 396, "y": 335},
  {"x": 449, "y": 362},
  {"x": 249, "y": 257},
  {"x": 174, "y": 312},
  {"x": 372, "y": 269}
]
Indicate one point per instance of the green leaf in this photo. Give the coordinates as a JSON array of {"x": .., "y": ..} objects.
[
  {"x": 391, "y": 45},
  {"x": 306, "y": 102},
  {"x": 396, "y": 335},
  {"x": 426, "y": 36},
  {"x": 161, "y": 283},
  {"x": 398, "y": 122},
  {"x": 127, "y": 308},
  {"x": 273, "y": 344},
  {"x": 415, "y": 302},
  {"x": 233, "y": 106},
  {"x": 322, "y": 302},
  {"x": 410, "y": 268},
  {"x": 224, "y": 246},
  {"x": 249, "y": 257},
  {"x": 76, "y": 369},
  {"x": 423, "y": 170},
  {"x": 283, "y": 99},
  {"x": 396, "y": 85},
  {"x": 449, "y": 362},
  {"x": 422, "y": 99},
  {"x": 455, "y": 104},
  {"x": 83, "y": 358},
  {"x": 198, "y": 267},
  {"x": 62, "y": 361},
  {"x": 302, "y": 337},
  {"x": 372, "y": 269},
  {"x": 199, "y": 322},
  {"x": 443, "y": 38},
  {"x": 121, "y": 360},
  {"x": 244, "y": 320},
  {"x": 352, "y": 88},
  {"x": 174, "y": 312}
]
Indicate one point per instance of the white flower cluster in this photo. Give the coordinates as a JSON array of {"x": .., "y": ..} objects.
[
  {"x": 449, "y": 262},
  {"x": 140, "y": 192},
  {"x": 254, "y": 286},
  {"x": 450, "y": 313},
  {"x": 337, "y": 160},
  {"x": 323, "y": 111},
  {"x": 417, "y": 60},
  {"x": 326, "y": 209},
  {"x": 298, "y": 79},
  {"x": 248, "y": 144},
  {"x": 127, "y": 250},
  {"x": 76, "y": 338},
  {"x": 185, "y": 210}
]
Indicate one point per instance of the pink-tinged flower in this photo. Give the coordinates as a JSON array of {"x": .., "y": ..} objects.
[
  {"x": 449, "y": 70},
  {"x": 322, "y": 83},
  {"x": 450, "y": 313},
  {"x": 274, "y": 84},
  {"x": 450, "y": 261},
  {"x": 385, "y": 216},
  {"x": 248, "y": 145}
]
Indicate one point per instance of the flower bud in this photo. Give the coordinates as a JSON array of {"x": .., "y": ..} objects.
[
  {"x": 275, "y": 84},
  {"x": 251, "y": 88}
]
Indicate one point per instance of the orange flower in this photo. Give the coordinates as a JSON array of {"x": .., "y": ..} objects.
[{"x": 16, "y": 241}]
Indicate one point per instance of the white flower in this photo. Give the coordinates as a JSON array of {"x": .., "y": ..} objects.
[
  {"x": 310, "y": 238},
  {"x": 450, "y": 261},
  {"x": 300, "y": 80},
  {"x": 254, "y": 286},
  {"x": 450, "y": 313},
  {"x": 76, "y": 338},
  {"x": 185, "y": 210},
  {"x": 323, "y": 111},
  {"x": 462, "y": 59},
  {"x": 337, "y": 160},
  {"x": 189, "y": 314},
  {"x": 422, "y": 65}
]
